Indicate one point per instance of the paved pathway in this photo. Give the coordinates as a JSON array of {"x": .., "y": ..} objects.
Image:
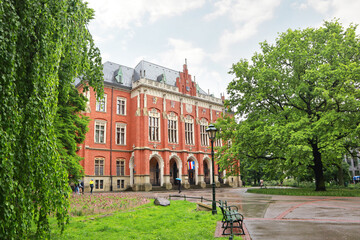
[{"x": 289, "y": 217}]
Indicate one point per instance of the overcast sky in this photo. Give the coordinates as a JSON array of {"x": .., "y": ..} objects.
[{"x": 210, "y": 34}]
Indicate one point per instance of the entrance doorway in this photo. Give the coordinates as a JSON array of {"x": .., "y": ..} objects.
[
  {"x": 174, "y": 172},
  {"x": 191, "y": 172},
  {"x": 154, "y": 172},
  {"x": 206, "y": 173}
]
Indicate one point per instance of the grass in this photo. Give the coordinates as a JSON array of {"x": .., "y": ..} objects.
[
  {"x": 338, "y": 192},
  {"x": 148, "y": 221},
  {"x": 103, "y": 203}
]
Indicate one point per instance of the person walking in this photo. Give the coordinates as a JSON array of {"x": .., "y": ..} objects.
[
  {"x": 76, "y": 189},
  {"x": 91, "y": 185},
  {"x": 179, "y": 183}
]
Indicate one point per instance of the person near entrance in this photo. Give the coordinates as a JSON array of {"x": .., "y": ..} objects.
[
  {"x": 91, "y": 185},
  {"x": 179, "y": 183}
]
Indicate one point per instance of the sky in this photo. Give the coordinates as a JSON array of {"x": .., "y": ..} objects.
[{"x": 211, "y": 34}]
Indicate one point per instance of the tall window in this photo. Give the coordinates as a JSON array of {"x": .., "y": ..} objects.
[
  {"x": 189, "y": 131},
  {"x": 121, "y": 106},
  {"x": 120, "y": 167},
  {"x": 172, "y": 128},
  {"x": 99, "y": 166},
  {"x": 204, "y": 139},
  {"x": 120, "y": 134},
  {"x": 154, "y": 125},
  {"x": 101, "y": 104},
  {"x": 100, "y": 133},
  {"x": 218, "y": 142}
]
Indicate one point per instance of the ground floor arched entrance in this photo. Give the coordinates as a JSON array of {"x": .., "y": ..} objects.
[
  {"x": 154, "y": 172},
  {"x": 174, "y": 171},
  {"x": 206, "y": 173},
  {"x": 191, "y": 171}
]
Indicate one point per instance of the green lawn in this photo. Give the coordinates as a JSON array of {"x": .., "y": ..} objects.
[
  {"x": 339, "y": 192},
  {"x": 180, "y": 220}
]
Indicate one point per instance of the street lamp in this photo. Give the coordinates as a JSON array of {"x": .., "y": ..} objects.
[{"x": 211, "y": 130}]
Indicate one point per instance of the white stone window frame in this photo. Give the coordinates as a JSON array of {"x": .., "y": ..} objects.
[
  {"x": 103, "y": 166},
  {"x": 120, "y": 183},
  {"x": 218, "y": 142},
  {"x": 155, "y": 115},
  {"x": 99, "y": 107},
  {"x": 120, "y": 160},
  {"x": 189, "y": 120},
  {"x": 117, "y": 126},
  {"x": 122, "y": 102},
  {"x": 174, "y": 118},
  {"x": 204, "y": 138},
  {"x": 99, "y": 183},
  {"x": 100, "y": 123}
]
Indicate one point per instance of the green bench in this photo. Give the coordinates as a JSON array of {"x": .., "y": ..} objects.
[{"x": 231, "y": 218}]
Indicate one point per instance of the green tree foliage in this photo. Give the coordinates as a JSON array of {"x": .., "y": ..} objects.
[
  {"x": 298, "y": 100},
  {"x": 44, "y": 45},
  {"x": 71, "y": 128}
]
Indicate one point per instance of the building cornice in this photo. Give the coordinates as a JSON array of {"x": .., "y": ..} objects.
[
  {"x": 163, "y": 87},
  {"x": 147, "y": 148}
]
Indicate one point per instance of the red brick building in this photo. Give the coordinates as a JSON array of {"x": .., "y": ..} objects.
[{"x": 149, "y": 129}]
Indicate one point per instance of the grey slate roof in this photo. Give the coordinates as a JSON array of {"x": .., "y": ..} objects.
[
  {"x": 147, "y": 70},
  {"x": 111, "y": 69},
  {"x": 153, "y": 71}
]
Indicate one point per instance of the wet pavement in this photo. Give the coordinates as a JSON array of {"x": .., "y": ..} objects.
[{"x": 287, "y": 217}]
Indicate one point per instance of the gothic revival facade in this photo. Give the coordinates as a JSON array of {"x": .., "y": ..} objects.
[{"x": 149, "y": 129}]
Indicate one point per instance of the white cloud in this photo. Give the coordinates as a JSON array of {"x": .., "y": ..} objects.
[
  {"x": 179, "y": 50},
  {"x": 174, "y": 58},
  {"x": 346, "y": 10},
  {"x": 127, "y": 14},
  {"x": 246, "y": 16},
  {"x": 322, "y": 6}
]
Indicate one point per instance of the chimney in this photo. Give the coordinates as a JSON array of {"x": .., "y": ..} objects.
[{"x": 222, "y": 97}]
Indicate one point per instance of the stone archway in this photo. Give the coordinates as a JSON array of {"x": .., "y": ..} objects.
[
  {"x": 156, "y": 169},
  {"x": 206, "y": 173},
  {"x": 175, "y": 167},
  {"x": 174, "y": 171},
  {"x": 207, "y": 161},
  {"x": 154, "y": 172},
  {"x": 132, "y": 170},
  {"x": 193, "y": 174}
]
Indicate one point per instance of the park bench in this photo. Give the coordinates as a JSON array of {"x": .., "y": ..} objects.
[{"x": 231, "y": 218}]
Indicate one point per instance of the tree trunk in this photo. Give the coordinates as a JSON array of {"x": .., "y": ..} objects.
[
  {"x": 340, "y": 175},
  {"x": 318, "y": 169}
]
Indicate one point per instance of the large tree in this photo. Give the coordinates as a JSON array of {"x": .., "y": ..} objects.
[
  {"x": 298, "y": 99},
  {"x": 71, "y": 128},
  {"x": 44, "y": 45}
]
